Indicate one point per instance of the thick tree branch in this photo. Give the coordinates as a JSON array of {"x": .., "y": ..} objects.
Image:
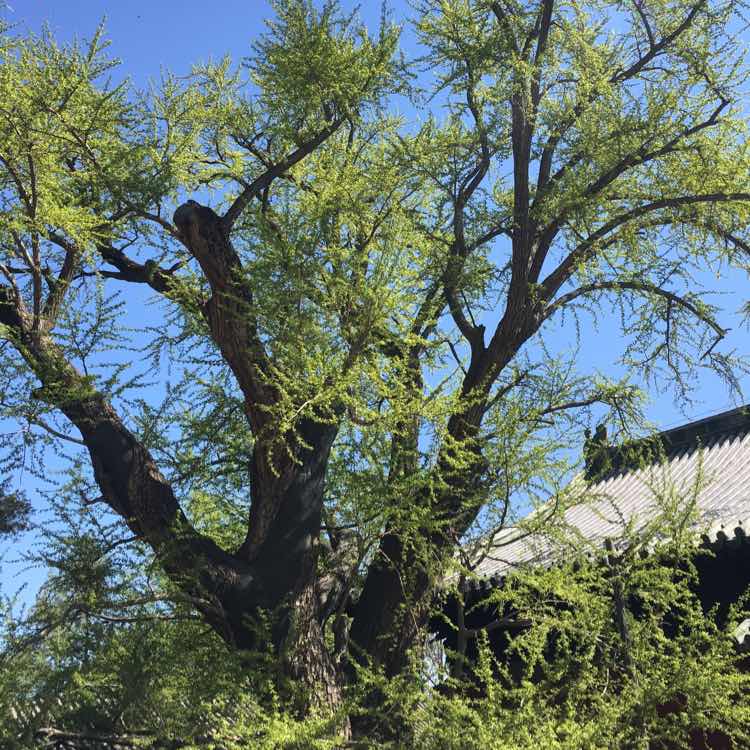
[
  {"x": 230, "y": 310},
  {"x": 544, "y": 23},
  {"x": 279, "y": 462},
  {"x": 473, "y": 334},
  {"x": 128, "y": 270},
  {"x": 459, "y": 250},
  {"x": 524, "y": 109},
  {"x": 60, "y": 285},
  {"x": 126, "y": 473},
  {"x": 522, "y": 135}
]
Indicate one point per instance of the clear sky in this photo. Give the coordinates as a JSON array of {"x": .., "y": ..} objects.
[
  {"x": 149, "y": 35},
  {"x": 164, "y": 33}
]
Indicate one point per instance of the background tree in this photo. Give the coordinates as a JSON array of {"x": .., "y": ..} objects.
[{"x": 356, "y": 323}]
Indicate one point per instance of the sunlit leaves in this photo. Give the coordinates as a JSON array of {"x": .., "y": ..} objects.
[{"x": 317, "y": 64}]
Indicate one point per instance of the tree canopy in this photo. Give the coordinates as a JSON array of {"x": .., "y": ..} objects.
[{"x": 352, "y": 368}]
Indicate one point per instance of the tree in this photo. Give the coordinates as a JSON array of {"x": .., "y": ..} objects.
[{"x": 342, "y": 419}]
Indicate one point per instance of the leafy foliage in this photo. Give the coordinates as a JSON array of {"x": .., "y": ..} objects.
[
  {"x": 359, "y": 363},
  {"x": 565, "y": 682}
]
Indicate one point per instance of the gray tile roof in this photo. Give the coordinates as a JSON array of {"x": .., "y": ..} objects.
[{"x": 710, "y": 457}]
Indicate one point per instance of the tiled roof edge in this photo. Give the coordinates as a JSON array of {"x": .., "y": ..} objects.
[{"x": 721, "y": 535}]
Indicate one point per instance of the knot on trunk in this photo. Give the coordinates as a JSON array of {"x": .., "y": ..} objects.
[
  {"x": 191, "y": 216},
  {"x": 9, "y": 315}
]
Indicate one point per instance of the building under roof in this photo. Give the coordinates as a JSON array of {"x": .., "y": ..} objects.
[
  {"x": 701, "y": 468},
  {"x": 706, "y": 463}
]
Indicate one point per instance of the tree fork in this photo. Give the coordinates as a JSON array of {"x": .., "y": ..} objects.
[{"x": 229, "y": 591}]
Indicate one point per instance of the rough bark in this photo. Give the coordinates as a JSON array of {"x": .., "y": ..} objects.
[
  {"x": 230, "y": 590},
  {"x": 229, "y": 311},
  {"x": 398, "y": 591},
  {"x": 287, "y": 471}
]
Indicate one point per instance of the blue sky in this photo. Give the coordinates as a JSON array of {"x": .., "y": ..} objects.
[{"x": 164, "y": 34}]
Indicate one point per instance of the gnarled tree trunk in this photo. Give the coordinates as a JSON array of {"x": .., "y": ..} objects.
[{"x": 273, "y": 574}]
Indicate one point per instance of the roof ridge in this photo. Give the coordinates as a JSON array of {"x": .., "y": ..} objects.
[
  {"x": 606, "y": 461},
  {"x": 723, "y": 422}
]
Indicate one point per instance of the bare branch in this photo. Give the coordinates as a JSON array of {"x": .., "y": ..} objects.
[
  {"x": 490, "y": 235},
  {"x": 455, "y": 355},
  {"x": 55, "y": 433},
  {"x": 638, "y": 5},
  {"x": 277, "y": 170},
  {"x": 502, "y": 392},
  {"x": 637, "y": 286},
  {"x": 230, "y": 310},
  {"x": 588, "y": 247}
]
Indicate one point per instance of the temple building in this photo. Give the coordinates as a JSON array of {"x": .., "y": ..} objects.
[{"x": 703, "y": 466}]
